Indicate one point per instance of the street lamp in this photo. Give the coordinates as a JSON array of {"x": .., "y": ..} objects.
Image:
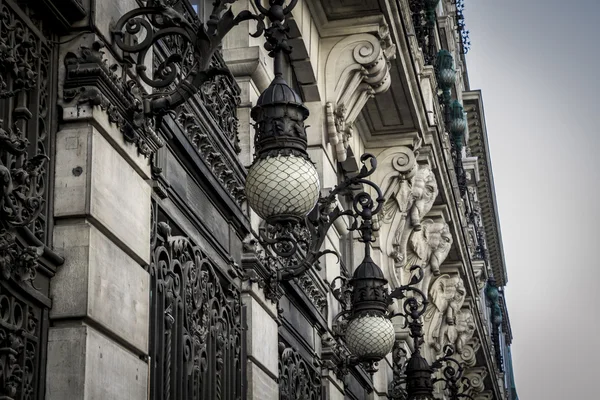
[{"x": 282, "y": 185}]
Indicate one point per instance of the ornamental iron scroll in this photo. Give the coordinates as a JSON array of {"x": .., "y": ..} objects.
[
  {"x": 23, "y": 327},
  {"x": 298, "y": 379},
  {"x": 196, "y": 334},
  {"x": 182, "y": 74},
  {"x": 27, "y": 79},
  {"x": 220, "y": 96}
]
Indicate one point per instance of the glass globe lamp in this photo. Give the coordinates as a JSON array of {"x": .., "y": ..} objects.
[
  {"x": 282, "y": 183},
  {"x": 446, "y": 75},
  {"x": 370, "y": 337},
  {"x": 282, "y": 187},
  {"x": 370, "y": 334},
  {"x": 458, "y": 122}
]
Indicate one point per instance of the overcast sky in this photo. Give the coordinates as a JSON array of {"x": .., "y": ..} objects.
[{"x": 537, "y": 63}]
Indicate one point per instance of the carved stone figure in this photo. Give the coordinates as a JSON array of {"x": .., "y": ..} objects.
[
  {"x": 443, "y": 314},
  {"x": 409, "y": 194},
  {"x": 427, "y": 247}
]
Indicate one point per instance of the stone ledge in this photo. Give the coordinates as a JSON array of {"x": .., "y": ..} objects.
[{"x": 83, "y": 364}]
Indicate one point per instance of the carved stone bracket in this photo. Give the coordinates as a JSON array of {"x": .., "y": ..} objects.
[
  {"x": 89, "y": 80},
  {"x": 407, "y": 236},
  {"x": 476, "y": 377},
  {"x": 357, "y": 68},
  {"x": 447, "y": 322}
]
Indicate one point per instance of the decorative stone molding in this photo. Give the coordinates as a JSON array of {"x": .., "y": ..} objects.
[
  {"x": 469, "y": 352},
  {"x": 357, "y": 68},
  {"x": 211, "y": 152},
  {"x": 447, "y": 322},
  {"x": 487, "y": 395}
]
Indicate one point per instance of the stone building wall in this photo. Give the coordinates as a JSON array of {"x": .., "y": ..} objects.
[{"x": 161, "y": 292}]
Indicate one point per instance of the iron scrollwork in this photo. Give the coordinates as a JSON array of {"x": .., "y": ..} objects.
[
  {"x": 27, "y": 67},
  {"x": 297, "y": 378},
  {"x": 159, "y": 20},
  {"x": 453, "y": 382},
  {"x": 196, "y": 334},
  {"x": 424, "y": 17},
  {"x": 300, "y": 244}
]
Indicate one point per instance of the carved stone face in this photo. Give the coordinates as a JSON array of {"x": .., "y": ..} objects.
[
  {"x": 466, "y": 323},
  {"x": 424, "y": 189},
  {"x": 440, "y": 241}
]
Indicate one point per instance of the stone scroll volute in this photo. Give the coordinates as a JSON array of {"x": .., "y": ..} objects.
[
  {"x": 407, "y": 237},
  {"x": 357, "y": 68}
]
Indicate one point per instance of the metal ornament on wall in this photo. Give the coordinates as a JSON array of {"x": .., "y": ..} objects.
[
  {"x": 27, "y": 81},
  {"x": 424, "y": 20},
  {"x": 297, "y": 378},
  {"x": 196, "y": 338},
  {"x": 140, "y": 30}
]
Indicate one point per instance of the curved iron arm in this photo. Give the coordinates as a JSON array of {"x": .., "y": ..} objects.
[
  {"x": 452, "y": 375},
  {"x": 158, "y": 21}
]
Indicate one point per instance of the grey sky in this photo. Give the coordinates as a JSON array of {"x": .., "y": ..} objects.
[{"x": 538, "y": 64}]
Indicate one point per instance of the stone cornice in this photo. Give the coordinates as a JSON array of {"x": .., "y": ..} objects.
[{"x": 478, "y": 143}]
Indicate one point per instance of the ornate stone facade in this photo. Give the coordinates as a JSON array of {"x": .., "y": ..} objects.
[{"x": 165, "y": 291}]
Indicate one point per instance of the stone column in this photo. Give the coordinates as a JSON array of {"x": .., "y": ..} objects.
[
  {"x": 262, "y": 341},
  {"x": 98, "y": 340}
]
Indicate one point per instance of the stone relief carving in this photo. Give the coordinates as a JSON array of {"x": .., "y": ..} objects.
[
  {"x": 487, "y": 395},
  {"x": 428, "y": 246},
  {"x": 356, "y": 69},
  {"x": 447, "y": 323},
  {"x": 469, "y": 352},
  {"x": 476, "y": 377},
  {"x": 410, "y": 190}
]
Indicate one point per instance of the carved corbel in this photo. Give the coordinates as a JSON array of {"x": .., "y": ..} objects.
[
  {"x": 476, "y": 377},
  {"x": 356, "y": 69},
  {"x": 487, "y": 395},
  {"x": 446, "y": 321},
  {"x": 469, "y": 351},
  {"x": 409, "y": 238}
]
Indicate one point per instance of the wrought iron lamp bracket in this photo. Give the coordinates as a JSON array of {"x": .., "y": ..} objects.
[
  {"x": 452, "y": 375},
  {"x": 160, "y": 20}
]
